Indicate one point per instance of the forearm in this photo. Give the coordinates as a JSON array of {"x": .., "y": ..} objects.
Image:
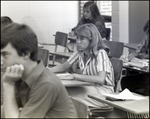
[
  {"x": 100, "y": 79},
  {"x": 60, "y": 68},
  {"x": 10, "y": 105}
]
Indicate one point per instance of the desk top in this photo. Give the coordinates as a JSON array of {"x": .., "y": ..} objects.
[
  {"x": 140, "y": 65},
  {"x": 131, "y": 45},
  {"x": 73, "y": 39},
  {"x": 74, "y": 83},
  {"x": 63, "y": 54},
  {"x": 132, "y": 106}
]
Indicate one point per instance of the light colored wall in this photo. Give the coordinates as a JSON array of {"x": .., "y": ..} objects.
[
  {"x": 120, "y": 21},
  {"x": 44, "y": 17}
]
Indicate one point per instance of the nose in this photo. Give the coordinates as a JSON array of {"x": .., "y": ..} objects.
[{"x": 78, "y": 40}]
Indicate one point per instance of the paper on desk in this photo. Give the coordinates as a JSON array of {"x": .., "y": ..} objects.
[
  {"x": 125, "y": 95},
  {"x": 67, "y": 76}
]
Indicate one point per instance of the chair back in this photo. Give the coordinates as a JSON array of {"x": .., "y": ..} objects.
[
  {"x": 117, "y": 66},
  {"x": 108, "y": 33},
  {"x": 43, "y": 55},
  {"x": 82, "y": 109},
  {"x": 116, "y": 48},
  {"x": 61, "y": 38}
]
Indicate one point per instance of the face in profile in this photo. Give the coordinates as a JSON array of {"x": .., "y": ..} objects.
[
  {"x": 9, "y": 57},
  {"x": 82, "y": 43},
  {"x": 87, "y": 13}
]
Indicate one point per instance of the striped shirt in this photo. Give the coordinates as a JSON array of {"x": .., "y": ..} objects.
[{"x": 94, "y": 65}]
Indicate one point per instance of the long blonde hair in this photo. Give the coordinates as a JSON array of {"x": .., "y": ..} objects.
[{"x": 90, "y": 32}]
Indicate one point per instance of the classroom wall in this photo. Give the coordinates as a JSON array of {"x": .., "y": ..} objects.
[
  {"x": 44, "y": 17},
  {"x": 128, "y": 19},
  {"x": 139, "y": 14}
]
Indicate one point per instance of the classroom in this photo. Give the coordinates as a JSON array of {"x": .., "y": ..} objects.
[{"x": 88, "y": 56}]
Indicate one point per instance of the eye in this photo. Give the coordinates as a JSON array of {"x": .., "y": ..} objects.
[
  {"x": 82, "y": 38},
  {"x": 4, "y": 54}
]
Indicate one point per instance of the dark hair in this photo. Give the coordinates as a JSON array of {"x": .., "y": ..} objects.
[
  {"x": 5, "y": 20},
  {"x": 22, "y": 38},
  {"x": 146, "y": 27},
  {"x": 93, "y": 8}
]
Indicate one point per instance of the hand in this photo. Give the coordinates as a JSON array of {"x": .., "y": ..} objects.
[
  {"x": 66, "y": 76},
  {"x": 13, "y": 73},
  {"x": 124, "y": 58},
  {"x": 71, "y": 34},
  {"x": 130, "y": 57}
]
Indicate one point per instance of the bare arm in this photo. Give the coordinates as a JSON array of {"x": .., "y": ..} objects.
[
  {"x": 60, "y": 68},
  {"x": 100, "y": 79},
  {"x": 11, "y": 109},
  {"x": 12, "y": 74}
]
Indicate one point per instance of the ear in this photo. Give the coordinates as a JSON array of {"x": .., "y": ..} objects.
[{"x": 27, "y": 55}]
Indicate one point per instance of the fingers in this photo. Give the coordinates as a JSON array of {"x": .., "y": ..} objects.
[
  {"x": 8, "y": 70},
  {"x": 21, "y": 69},
  {"x": 15, "y": 69}
]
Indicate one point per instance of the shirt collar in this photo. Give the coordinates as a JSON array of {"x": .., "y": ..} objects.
[{"x": 34, "y": 75}]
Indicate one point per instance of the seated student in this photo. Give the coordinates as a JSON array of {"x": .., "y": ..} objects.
[
  {"x": 138, "y": 82},
  {"x": 39, "y": 93},
  {"x": 95, "y": 66},
  {"x": 5, "y": 20},
  {"x": 91, "y": 14}
]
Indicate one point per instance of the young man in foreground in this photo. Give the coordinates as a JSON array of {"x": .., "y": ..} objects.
[{"x": 30, "y": 90}]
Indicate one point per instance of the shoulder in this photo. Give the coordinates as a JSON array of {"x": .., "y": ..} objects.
[
  {"x": 73, "y": 57},
  {"x": 102, "y": 54},
  {"x": 99, "y": 20}
]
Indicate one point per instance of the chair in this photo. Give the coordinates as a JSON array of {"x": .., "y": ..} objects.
[
  {"x": 117, "y": 66},
  {"x": 116, "y": 48},
  {"x": 60, "y": 40},
  {"x": 82, "y": 109},
  {"x": 108, "y": 33},
  {"x": 43, "y": 55}
]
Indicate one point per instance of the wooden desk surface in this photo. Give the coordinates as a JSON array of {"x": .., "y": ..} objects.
[
  {"x": 72, "y": 39},
  {"x": 63, "y": 54},
  {"x": 131, "y": 45},
  {"x": 132, "y": 106},
  {"x": 74, "y": 83}
]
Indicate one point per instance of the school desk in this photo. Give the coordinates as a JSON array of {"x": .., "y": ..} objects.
[
  {"x": 132, "y": 46},
  {"x": 131, "y": 106},
  {"x": 72, "y": 39},
  {"x": 74, "y": 83}
]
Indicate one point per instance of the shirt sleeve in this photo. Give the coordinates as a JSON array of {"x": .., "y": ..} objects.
[
  {"x": 103, "y": 61},
  {"x": 104, "y": 64},
  {"x": 73, "y": 58},
  {"x": 101, "y": 28},
  {"x": 41, "y": 99}
]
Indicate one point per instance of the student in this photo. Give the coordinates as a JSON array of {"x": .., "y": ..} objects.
[
  {"x": 138, "y": 82},
  {"x": 94, "y": 64},
  {"x": 5, "y": 20},
  {"x": 91, "y": 14},
  {"x": 39, "y": 93}
]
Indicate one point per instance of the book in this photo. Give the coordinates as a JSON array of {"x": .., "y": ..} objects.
[{"x": 124, "y": 95}]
